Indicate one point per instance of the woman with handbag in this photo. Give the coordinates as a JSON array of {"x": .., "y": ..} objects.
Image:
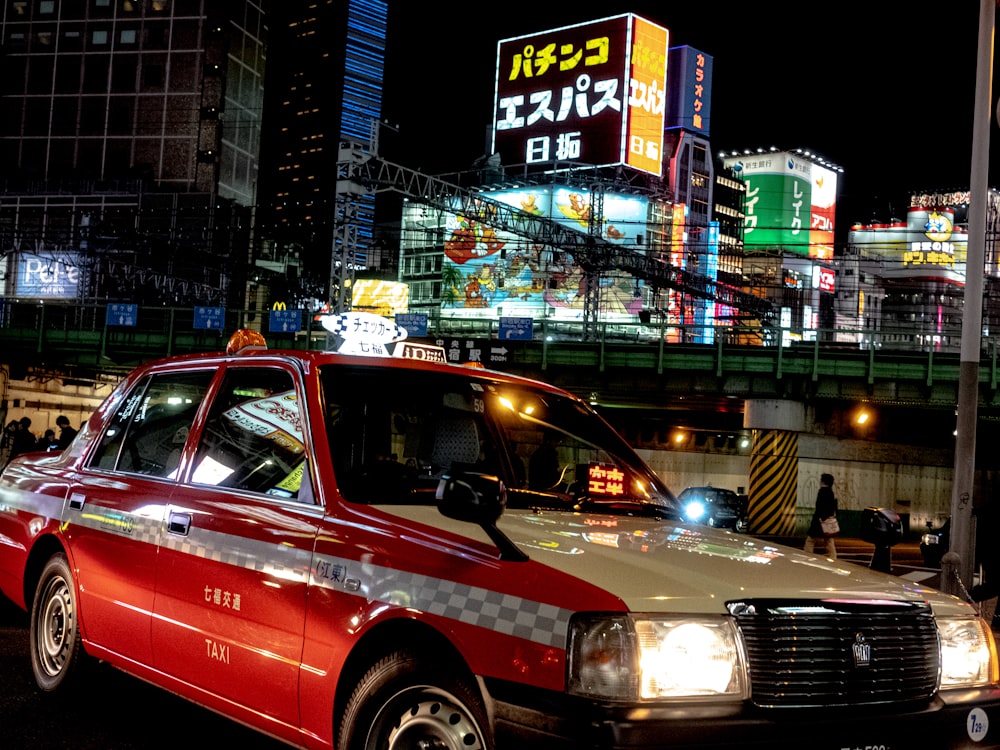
[{"x": 824, "y": 526}]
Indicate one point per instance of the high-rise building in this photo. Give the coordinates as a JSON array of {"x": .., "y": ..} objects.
[
  {"x": 128, "y": 145},
  {"x": 323, "y": 87}
]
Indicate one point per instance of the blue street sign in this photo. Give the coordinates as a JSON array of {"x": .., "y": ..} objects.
[
  {"x": 209, "y": 318},
  {"x": 516, "y": 329},
  {"x": 414, "y": 323},
  {"x": 122, "y": 314},
  {"x": 286, "y": 321}
]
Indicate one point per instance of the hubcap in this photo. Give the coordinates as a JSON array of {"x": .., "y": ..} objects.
[
  {"x": 431, "y": 723},
  {"x": 55, "y": 624}
]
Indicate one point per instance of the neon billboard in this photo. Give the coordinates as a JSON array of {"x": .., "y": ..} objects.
[
  {"x": 928, "y": 245},
  {"x": 790, "y": 203},
  {"x": 49, "y": 278},
  {"x": 591, "y": 93},
  {"x": 690, "y": 90}
]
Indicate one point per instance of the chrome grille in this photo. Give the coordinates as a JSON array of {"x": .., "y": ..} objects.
[{"x": 813, "y": 653}]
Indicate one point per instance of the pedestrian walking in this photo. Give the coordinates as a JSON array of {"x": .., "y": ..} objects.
[
  {"x": 824, "y": 526},
  {"x": 66, "y": 431}
]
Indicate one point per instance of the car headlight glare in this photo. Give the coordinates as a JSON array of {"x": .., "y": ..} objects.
[
  {"x": 656, "y": 658},
  {"x": 968, "y": 653},
  {"x": 695, "y": 510}
]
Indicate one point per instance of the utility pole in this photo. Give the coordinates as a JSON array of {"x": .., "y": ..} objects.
[{"x": 962, "y": 528}]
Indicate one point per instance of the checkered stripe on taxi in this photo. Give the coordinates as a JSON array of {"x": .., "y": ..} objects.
[{"x": 503, "y": 613}]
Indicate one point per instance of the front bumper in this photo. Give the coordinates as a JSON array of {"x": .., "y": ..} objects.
[{"x": 962, "y": 721}]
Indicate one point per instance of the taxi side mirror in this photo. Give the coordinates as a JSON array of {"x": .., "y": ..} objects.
[{"x": 480, "y": 499}]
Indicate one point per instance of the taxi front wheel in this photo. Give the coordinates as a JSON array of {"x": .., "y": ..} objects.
[
  {"x": 54, "y": 629},
  {"x": 404, "y": 702}
]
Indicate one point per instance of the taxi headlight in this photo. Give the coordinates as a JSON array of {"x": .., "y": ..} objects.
[
  {"x": 968, "y": 653},
  {"x": 636, "y": 658}
]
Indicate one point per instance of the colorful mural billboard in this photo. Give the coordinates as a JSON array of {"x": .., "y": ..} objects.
[
  {"x": 488, "y": 272},
  {"x": 591, "y": 93}
]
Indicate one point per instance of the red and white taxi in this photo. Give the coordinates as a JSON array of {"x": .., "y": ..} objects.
[{"x": 376, "y": 552}]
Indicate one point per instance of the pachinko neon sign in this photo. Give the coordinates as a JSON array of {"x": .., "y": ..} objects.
[{"x": 592, "y": 93}]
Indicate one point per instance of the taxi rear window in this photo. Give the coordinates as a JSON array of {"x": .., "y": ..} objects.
[
  {"x": 253, "y": 436},
  {"x": 147, "y": 433}
]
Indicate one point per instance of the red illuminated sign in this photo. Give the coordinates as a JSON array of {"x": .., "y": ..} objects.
[
  {"x": 592, "y": 93},
  {"x": 827, "y": 279},
  {"x": 605, "y": 481}
]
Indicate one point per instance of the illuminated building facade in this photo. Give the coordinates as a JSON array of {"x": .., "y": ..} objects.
[
  {"x": 920, "y": 265},
  {"x": 327, "y": 87},
  {"x": 788, "y": 235},
  {"x": 130, "y": 119},
  {"x": 105, "y": 90}
]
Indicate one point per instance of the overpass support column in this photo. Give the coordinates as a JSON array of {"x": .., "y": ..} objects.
[{"x": 774, "y": 464}]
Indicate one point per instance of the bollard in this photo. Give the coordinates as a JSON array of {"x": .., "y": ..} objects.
[{"x": 951, "y": 583}]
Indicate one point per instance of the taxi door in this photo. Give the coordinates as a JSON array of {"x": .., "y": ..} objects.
[
  {"x": 115, "y": 508},
  {"x": 236, "y": 549}
]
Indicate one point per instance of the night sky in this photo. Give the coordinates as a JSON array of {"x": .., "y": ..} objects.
[{"x": 885, "y": 90}]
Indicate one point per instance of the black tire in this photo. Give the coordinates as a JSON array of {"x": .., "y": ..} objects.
[
  {"x": 54, "y": 634},
  {"x": 405, "y": 703}
]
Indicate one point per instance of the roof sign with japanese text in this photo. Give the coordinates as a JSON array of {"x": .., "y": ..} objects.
[
  {"x": 363, "y": 333},
  {"x": 371, "y": 335},
  {"x": 790, "y": 203},
  {"x": 690, "y": 101},
  {"x": 927, "y": 245},
  {"x": 591, "y": 93}
]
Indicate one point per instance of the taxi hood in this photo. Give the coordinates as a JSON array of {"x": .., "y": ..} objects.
[{"x": 657, "y": 565}]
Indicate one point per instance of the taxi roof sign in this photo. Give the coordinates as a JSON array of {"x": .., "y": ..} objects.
[
  {"x": 374, "y": 336},
  {"x": 362, "y": 333}
]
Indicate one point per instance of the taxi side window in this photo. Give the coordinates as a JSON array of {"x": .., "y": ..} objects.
[
  {"x": 147, "y": 433},
  {"x": 393, "y": 434},
  {"x": 253, "y": 437}
]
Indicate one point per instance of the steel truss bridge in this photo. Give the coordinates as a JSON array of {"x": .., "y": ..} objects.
[{"x": 360, "y": 173}]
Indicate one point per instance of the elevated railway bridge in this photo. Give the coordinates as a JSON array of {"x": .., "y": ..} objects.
[
  {"x": 766, "y": 417},
  {"x": 631, "y": 367}
]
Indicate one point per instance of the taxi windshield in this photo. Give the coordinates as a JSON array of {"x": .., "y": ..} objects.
[{"x": 395, "y": 432}]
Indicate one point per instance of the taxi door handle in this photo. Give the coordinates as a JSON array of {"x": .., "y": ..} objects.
[{"x": 179, "y": 523}]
